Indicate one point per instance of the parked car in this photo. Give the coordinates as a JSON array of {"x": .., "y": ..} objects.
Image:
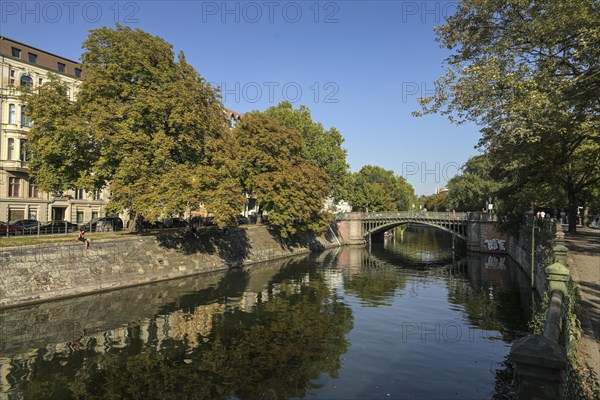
[
  {"x": 103, "y": 224},
  {"x": 199, "y": 221},
  {"x": 12, "y": 230},
  {"x": 30, "y": 226},
  {"x": 241, "y": 220},
  {"x": 195, "y": 222},
  {"x": 147, "y": 225},
  {"x": 175, "y": 223},
  {"x": 58, "y": 227}
]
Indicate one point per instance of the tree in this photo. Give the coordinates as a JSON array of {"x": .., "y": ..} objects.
[
  {"x": 377, "y": 189},
  {"x": 470, "y": 190},
  {"x": 322, "y": 147},
  {"x": 436, "y": 202},
  {"x": 58, "y": 141},
  {"x": 527, "y": 72},
  {"x": 145, "y": 125},
  {"x": 287, "y": 185}
]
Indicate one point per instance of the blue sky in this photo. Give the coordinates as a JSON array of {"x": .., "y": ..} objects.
[{"x": 358, "y": 65}]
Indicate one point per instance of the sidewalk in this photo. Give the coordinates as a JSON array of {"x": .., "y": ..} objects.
[{"x": 584, "y": 260}]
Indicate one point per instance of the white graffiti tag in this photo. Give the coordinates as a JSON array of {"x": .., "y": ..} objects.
[
  {"x": 495, "y": 262},
  {"x": 495, "y": 244}
]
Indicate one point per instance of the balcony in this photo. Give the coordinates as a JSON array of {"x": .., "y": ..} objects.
[{"x": 13, "y": 166}]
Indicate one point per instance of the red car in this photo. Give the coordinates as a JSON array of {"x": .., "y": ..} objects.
[{"x": 12, "y": 229}]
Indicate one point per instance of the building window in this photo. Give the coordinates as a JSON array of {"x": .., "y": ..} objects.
[
  {"x": 78, "y": 72},
  {"x": 97, "y": 194},
  {"x": 12, "y": 77},
  {"x": 33, "y": 58},
  {"x": 40, "y": 81},
  {"x": 11, "y": 149},
  {"x": 24, "y": 152},
  {"x": 14, "y": 186},
  {"x": 25, "y": 122},
  {"x": 80, "y": 194},
  {"x": 32, "y": 214},
  {"x": 12, "y": 114},
  {"x": 16, "y": 52},
  {"x": 94, "y": 214},
  {"x": 26, "y": 81},
  {"x": 61, "y": 67},
  {"x": 33, "y": 190},
  {"x": 79, "y": 217},
  {"x": 14, "y": 215}
]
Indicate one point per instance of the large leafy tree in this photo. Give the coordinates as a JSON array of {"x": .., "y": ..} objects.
[
  {"x": 59, "y": 142},
  {"x": 470, "y": 190},
  {"x": 322, "y": 147},
  {"x": 436, "y": 201},
  {"x": 378, "y": 189},
  {"x": 289, "y": 187},
  {"x": 528, "y": 73},
  {"x": 144, "y": 124}
]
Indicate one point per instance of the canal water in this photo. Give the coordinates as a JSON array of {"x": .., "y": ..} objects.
[{"x": 410, "y": 318}]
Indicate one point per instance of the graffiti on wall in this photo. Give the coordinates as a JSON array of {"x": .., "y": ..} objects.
[
  {"x": 495, "y": 244},
  {"x": 494, "y": 262}
]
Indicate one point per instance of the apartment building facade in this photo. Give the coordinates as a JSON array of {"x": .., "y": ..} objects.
[{"x": 24, "y": 66}]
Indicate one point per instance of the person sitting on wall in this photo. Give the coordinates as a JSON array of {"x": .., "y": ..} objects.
[{"x": 81, "y": 238}]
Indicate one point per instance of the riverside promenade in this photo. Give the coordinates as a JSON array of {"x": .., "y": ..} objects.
[{"x": 584, "y": 259}]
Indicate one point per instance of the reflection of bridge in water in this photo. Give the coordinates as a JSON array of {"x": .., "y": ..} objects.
[{"x": 374, "y": 261}]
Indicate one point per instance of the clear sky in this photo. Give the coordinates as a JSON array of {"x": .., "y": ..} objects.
[{"x": 358, "y": 65}]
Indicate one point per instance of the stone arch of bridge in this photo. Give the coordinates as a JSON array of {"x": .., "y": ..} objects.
[{"x": 391, "y": 225}]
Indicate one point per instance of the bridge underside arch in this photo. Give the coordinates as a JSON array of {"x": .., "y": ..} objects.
[{"x": 457, "y": 229}]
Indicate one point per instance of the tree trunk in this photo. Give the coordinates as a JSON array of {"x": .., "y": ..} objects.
[
  {"x": 259, "y": 219},
  {"x": 572, "y": 211},
  {"x": 131, "y": 224}
]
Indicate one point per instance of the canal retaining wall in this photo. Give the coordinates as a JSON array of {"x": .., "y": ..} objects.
[
  {"x": 533, "y": 247},
  {"x": 188, "y": 302},
  {"x": 32, "y": 274}
]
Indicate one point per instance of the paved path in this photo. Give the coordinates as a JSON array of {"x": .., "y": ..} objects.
[{"x": 584, "y": 259}]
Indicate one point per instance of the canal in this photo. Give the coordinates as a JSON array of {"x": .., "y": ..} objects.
[{"x": 410, "y": 318}]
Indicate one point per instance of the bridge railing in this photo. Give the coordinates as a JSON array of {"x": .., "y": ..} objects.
[{"x": 421, "y": 214}]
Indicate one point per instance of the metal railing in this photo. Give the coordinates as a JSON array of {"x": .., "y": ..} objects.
[
  {"x": 40, "y": 229},
  {"x": 421, "y": 214}
]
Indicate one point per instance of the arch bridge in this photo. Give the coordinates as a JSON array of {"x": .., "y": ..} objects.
[{"x": 375, "y": 223}]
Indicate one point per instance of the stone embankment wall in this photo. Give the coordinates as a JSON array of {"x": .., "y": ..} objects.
[
  {"x": 520, "y": 250},
  {"x": 32, "y": 274},
  {"x": 58, "y": 322}
]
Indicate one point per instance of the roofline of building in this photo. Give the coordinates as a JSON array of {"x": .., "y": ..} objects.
[{"x": 2, "y": 37}]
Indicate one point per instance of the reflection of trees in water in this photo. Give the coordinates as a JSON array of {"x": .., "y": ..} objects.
[
  {"x": 494, "y": 308},
  {"x": 377, "y": 282},
  {"x": 487, "y": 305},
  {"x": 422, "y": 244},
  {"x": 273, "y": 352},
  {"x": 491, "y": 307},
  {"x": 294, "y": 331}
]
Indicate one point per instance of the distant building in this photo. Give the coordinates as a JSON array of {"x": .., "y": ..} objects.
[
  {"x": 341, "y": 206},
  {"x": 441, "y": 190},
  {"x": 24, "y": 66},
  {"x": 233, "y": 118}
]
